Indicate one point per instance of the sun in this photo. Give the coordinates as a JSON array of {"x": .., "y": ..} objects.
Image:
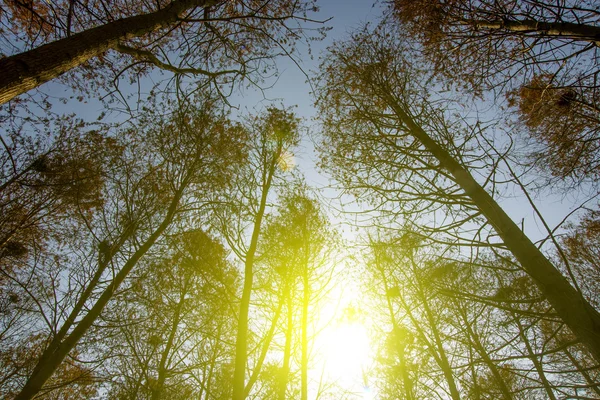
[{"x": 346, "y": 353}]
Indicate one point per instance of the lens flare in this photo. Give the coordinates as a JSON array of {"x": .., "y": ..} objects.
[{"x": 286, "y": 161}]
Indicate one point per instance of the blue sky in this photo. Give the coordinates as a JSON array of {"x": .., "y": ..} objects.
[{"x": 292, "y": 89}]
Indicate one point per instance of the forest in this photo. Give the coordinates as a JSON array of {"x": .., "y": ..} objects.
[{"x": 182, "y": 218}]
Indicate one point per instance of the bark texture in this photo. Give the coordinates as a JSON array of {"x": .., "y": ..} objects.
[
  {"x": 567, "y": 30},
  {"x": 28, "y": 70},
  {"x": 569, "y": 304}
]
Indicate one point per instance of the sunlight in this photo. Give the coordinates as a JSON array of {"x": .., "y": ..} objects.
[{"x": 346, "y": 353}]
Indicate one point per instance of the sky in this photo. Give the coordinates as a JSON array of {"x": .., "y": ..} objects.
[
  {"x": 293, "y": 89},
  {"x": 290, "y": 89}
]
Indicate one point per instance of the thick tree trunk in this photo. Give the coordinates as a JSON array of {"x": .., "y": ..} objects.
[
  {"x": 53, "y": 357},
  {"x": 570, "y": 305},
  {"x": 28, "y": 70},
  {"x": 559, "y": 30}
]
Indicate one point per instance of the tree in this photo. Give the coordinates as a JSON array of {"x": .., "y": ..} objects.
[
  {"x": 565, "y": 120},
  {"x": 152, "y": 183},
  {"x": 213, "y": 39},
  {"x": 499, "y": 339},
  {"x": 74, "y": 380},
  {"x": 582, "y": 247},
  {"x": 544, "y": 54},
  {"x": 488, "y": 43},
  {"x": 298, "y": 241},
  {"x": 177, "y": 314},
  {"x": 43, "y": 183},
  {"x": 240, "y": 216},
  {"x": 402, "y": 277},
  {"x": 374, "y": 121}
]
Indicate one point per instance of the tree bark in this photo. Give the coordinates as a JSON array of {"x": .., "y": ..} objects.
[
  {"x": 25, "y": 71},
  {"x": 559, "y": 30},
  {"x": 577, "y": 313}
]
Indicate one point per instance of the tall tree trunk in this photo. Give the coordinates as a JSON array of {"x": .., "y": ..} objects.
[
  {"x": 304, "y": 339},
  {"x": 241, "y": 342},
  {"x": 208, "y": 377},
  {"x": 593, "y": 384},
  {"x": 28, "y": 70},
  {"x": 287, "y": 351},
  {"x": 570, "y": 305},
  {"x": 406, "y": 382},
  {"x": 476, "y": 343},
  {"x": 534, "y": 358},
  {"x": 265, "y": 349},
  {"x": 52, "y": 357},
  {"x": 157, "y": 393},
  {"x": 559, "y": 30},
  {"x": 442, "y": 358}
]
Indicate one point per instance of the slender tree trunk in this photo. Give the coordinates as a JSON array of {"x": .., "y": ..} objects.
[
  {"x": 534, "y": 358},
  {"x": 287, "y": 351},
  {"x": 28, "y": 70},
  {"x": 157, "y": 393},
  {"x": 211, "y": 368},
  {"x": 473, "y": 339},
  {"x": 570, "y": 305},
  {"x": 593, "y": 384},
  {"x": 264, "y": 350},
  {"x": 406, "y": 382},
  {"x": 241, "y": 343},
  {"x": 304, "y": 339},
  {"x": 442, "y": 357},
  {"x": 103, "y": 262},
  {"x": 475, "y": 391},
  {"x": 51, "y": 358}
]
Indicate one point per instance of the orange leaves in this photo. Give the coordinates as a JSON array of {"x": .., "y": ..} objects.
[
  {"x": 565, "y": 121},
  {"x": 424, "y": 18},
  {"x": 31, "y": 16}
]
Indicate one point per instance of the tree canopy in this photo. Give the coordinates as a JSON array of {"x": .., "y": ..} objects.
[{"x": 160, "y": 241}]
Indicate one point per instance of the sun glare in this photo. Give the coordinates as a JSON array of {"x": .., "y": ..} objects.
[{"x": 346, "y": 354}]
